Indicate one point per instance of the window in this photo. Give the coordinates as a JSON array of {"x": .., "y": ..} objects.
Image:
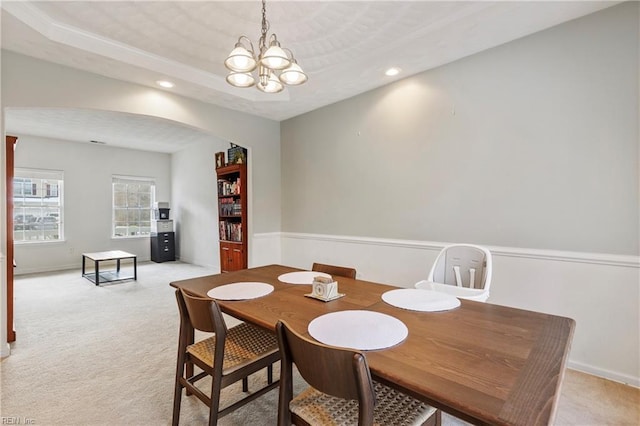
[
  {"x": 37, "y": 205},
  {"x": 132, "y": 206}
]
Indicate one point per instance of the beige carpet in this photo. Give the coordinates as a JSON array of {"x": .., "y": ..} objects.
[{"x": 88, "y": 355}]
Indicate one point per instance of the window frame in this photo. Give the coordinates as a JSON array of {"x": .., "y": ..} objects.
[
  {"x": 23, "y": 208},
  {"x": 131, "y": 180}
]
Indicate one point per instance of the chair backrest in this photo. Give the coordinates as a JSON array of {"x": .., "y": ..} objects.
[
  {"x": 201, "y": 314},
  {"x": 339, "y": 372},
  {"x": 341, "y": 271},
  {"x": 463, "y": 265}
]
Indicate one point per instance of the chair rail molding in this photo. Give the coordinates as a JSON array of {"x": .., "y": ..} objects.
[{"x": 557, "y": 255}]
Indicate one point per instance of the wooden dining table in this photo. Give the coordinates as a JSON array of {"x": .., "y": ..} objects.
[{"x": 483, "y": 363}]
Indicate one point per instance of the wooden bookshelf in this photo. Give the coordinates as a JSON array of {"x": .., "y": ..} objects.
[{"x": 232, "y": 216}]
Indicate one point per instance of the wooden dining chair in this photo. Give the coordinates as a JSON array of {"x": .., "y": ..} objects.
[
  {"x": 341, "y": 271},
  {"x": 228, "y": 356},
  {"x": 342, "y": 391}
]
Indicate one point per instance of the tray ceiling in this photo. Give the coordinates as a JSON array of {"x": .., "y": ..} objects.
[{"x": 344, "y": 47}]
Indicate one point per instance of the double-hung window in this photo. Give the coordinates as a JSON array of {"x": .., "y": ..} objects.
[
  {"x": 37, "y": 205},
  {"x": 133, "y": 199}
]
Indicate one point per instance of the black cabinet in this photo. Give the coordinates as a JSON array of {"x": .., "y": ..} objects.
[{"x": 163, "y": 248}]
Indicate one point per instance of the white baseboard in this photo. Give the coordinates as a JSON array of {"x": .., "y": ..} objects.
[
  {"x": 606, "y": 374},
  {"x": 62, "y": 267},
  {"x": 37, "y": 270}
]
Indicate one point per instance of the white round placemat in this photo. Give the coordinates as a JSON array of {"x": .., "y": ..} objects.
[
  {"x": 240, "y": 291},
  {"x": 477, "y": 294},
  {"x": 358, "y": 329},
  {"x": 420, "y": 300},
  {"x": 301, "y": 277}
]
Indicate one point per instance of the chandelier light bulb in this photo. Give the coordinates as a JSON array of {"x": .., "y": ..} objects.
[
  {"x": 275, "y": 58},
  {"x": 268, "y": 82},
  {"x": 242, "y": 61},
  {"x": 241, "y": 79},
  {"x": 293, "y": 75}
]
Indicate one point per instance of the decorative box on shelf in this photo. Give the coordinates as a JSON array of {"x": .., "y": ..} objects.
[{"x": 237, "y": 154}]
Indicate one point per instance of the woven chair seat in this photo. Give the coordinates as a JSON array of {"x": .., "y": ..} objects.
[
  {"x": 244, "y": 344},
  {"x": 393, "y": 408}
]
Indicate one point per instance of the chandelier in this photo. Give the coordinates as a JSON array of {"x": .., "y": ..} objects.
[{"x": 276, "y": 65}]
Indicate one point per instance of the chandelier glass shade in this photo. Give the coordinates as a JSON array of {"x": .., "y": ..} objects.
[{"x": 276, "y": 65}]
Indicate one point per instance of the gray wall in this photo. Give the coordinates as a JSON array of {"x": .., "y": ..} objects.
[{"x": 530, "y": 144}]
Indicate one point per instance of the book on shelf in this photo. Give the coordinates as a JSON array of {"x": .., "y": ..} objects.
[
  {"x": 230, "y": 231},
  {"x": 230, "y": 207},
  {"x": 229, "y": 187}
]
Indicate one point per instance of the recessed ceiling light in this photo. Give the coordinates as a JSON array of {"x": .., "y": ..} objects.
[
  {"x": 392, "y": 71},
  {"x": 165, "y": 83}
]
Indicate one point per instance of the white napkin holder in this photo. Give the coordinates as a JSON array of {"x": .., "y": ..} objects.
[{"x": 324, "y": 288}]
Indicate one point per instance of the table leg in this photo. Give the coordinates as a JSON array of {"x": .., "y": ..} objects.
[
  {"x": 83, "y": 270},
  {"x": 135, "y": 268},
  {"x": 97, "y": 267},
  {"x": 118, "y": 266}
]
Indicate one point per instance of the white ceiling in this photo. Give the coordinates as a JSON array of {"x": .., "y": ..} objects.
[{"x": 344, "y": 47}]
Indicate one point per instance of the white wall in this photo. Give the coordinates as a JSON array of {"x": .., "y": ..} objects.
[
  {"x": 196, "y": 203},
  {"x": 88, "y": 170}
]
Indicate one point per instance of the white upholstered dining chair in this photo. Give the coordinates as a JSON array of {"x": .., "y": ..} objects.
[{"x": 461, "y": 270}]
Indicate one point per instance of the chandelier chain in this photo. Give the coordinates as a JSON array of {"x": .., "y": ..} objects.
[{"x": 265, "y": 25}]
